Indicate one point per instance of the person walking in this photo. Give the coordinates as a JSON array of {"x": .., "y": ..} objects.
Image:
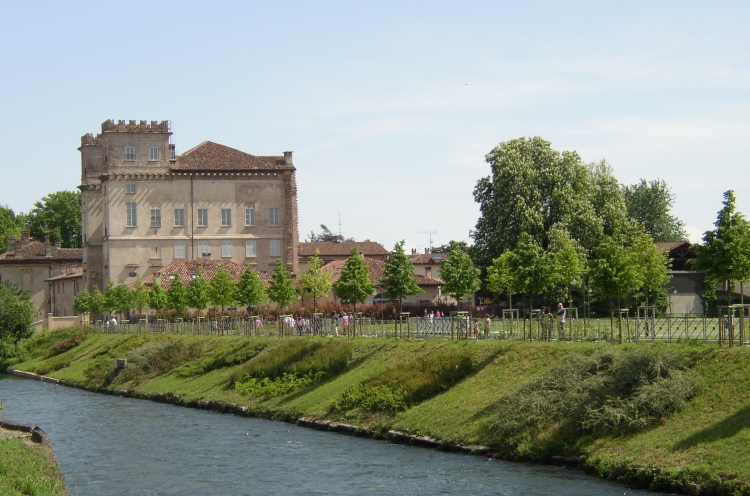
[
  {"x": 560, "y": 321},
  {"x": 487, "y": 325}
]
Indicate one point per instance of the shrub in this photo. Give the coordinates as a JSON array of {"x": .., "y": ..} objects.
[
  {"x": 225, "y": 355},
  {"x": 157, "y": 358},
  {"x": 409, "y": 384},
  {"x": 274, "y": 361},
  {"x": 64, "y": 345},
  {"x": 613, "y": 391}
]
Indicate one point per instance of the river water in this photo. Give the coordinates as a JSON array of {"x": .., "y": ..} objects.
[{"x": 108, "y": 445}]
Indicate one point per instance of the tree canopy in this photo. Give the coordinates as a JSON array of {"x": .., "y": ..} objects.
[
  {"x": 650, "y": 203},
  {"x": 59, "y": 214},
  {"x": 354, "y": 285},
  {"x": 16, "y": 313},
  {"x": 281, "y": 290},
  {"x": 459, "y": 274},
  {"x": 223, "y": 289},
  {"x": 10, "y": 225},
  {"x": 316, "y": 282},
  {"x": 398, "y": 278},
  {"x": 199, "y": 292},
  {"x": 325, "y": 236},
  {"x": 251, "y": 291}
]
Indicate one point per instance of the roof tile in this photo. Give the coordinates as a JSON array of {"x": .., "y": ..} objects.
[
  {"x": 35, "y": 250},
  {"x": 186, "y": 269},
  {"x": 213, "y": 156},
  {"x": 366, "y": 248}
]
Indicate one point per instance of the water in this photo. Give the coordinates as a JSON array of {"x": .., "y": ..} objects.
[{"x": 121, "y": 446}]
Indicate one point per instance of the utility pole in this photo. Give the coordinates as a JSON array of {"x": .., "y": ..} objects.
[{"x": 430, "y": 233}]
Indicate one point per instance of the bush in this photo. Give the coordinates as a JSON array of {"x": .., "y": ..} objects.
[
  {"x": 613, "y": 391},
  {"x": 409, "y": 384},
  {"x": 157, "y": 358},
  {"x": 64, "y": 345},
  {"x": 225, "y": 355}
]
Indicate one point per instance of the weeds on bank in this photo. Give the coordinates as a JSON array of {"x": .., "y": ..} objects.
[
  {"x": 102, "y": 362},
  {"x": 64, "y": 345},
  {"x": 610, "y": 392},
  {"x": 225, "y": 355},
  {"x": 291, "y": 366},
  {"x": 408, "y": 384},
  {"x": 157, "y": 358},
  {"x": 27, "y": 470}
]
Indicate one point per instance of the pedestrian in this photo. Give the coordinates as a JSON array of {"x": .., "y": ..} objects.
[
  {"x": 487, "y": 325},
  {"x": 561, "y": 321},
  {"x": 114, "y": 324},
  {"x": 476, "y": 330}
]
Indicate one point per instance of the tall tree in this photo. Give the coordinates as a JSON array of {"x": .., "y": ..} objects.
[
  {"x": 251, "y": 291},
  {"x": 120, "y": 298},
  {"x": 316, "y": 282},
  {"x": 531, "y": 268},
  {"x": 354, "y": 285},
  {"x": 222, "y": 289},
  {"x": 281, "y": 290},
  {"x": 177, "y": 295},
  {"x": 110, "y": 297},
  {"x": 140, "y": 296},
  {"x": 98, "y": 303},
  {"x": 614, "y": 272},
  {"x": 653, "y": 264},
  {"x": 16, "y": 314},
  {"x": 568, "y": 261},
  {"x": 459, "y": 274},
  {"x": 725, "y": 252},
  {"x": 158, "y": 299},
  {"x": 398, "y": 278},
  {"x": 500, "y": 276},
  {"x": 199, "y": 292},
  {"x": 10, "y": 225},
  {"x": 325, "y": 236},
  {"x": 534, "y": 187},
  {"x": 59, "y": 214},
  {"x": 82, "y": 301},
  {"x": 650, "y": 203}
]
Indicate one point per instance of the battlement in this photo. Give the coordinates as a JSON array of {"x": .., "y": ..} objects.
[{"x": 109, "y": 126}]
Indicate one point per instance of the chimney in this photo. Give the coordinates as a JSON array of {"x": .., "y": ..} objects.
[
  {"x": 413, "y": 251},
  {"x": 47, "y": 247},
  {"x": 427, "y": 251},
  {"x": 19, "y": 248},
  {"x": 288, "y": 158},
  {"x": 57, "y": 245},
  {"x": 26, "y": 237},
  {"x": 11, "y": 243}
]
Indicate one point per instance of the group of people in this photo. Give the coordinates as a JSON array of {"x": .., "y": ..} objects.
[
  {"x": 110, "y": 323},
  {"x": 556, "y": 319}
]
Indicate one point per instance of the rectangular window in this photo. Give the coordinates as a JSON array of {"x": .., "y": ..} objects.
[
  {"x": 226, "y": 248},
  {"x": 250, "y": 216},
  {"x": 130, "y": 188},
  {"x": 202, "y": 217},
  {"x": 172, "y": 153},
  {"x": 179, "y": 217},
  {"x": 226, "y": 217},
  {"x": 274, "y": 217},
  {"x": 155, "y": 217},
  {"x": 203, "y": 250},
  {"x": 251, "y": 248},
  {"x": 275, "y": 247},
  {"x": 153, "y": 153},
  {"x": 131, "y": 217},
  {"x": 179, "y": 249},
  {"x": 129, "y": 153}
]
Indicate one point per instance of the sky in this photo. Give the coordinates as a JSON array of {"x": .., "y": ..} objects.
[{"x": 389, "y": 107}]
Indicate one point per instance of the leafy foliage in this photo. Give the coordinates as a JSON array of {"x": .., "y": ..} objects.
[
  {"x": 614, "y": 272},
  {"x": 500, "y": 276},
  {"x": 64, "y": 345},
  {"x": 398, "y": 275},
  {"x": 177, "y": 295},
  {"x": 225, "y": 355},
  {"x": 354, "y": 285},
  {"x": 16, "y": 313},
  {"x": 649, "y": 203},
  {"x": 198, "y": 292},
  {"x": 281, "y": 290},
  {"x": 140, "y": 297},
  {"x": 223, "y": 289},
  {"x": 82, "y": 301},
  {"x": 251, "y": 291},
  {"x": 157, "y": 358},
  {"x": 59, "y": 214},
  {"x": 613, "y": 391},
  {"x": 325, "y": 236},
  {"x": 459, "y": 274},
  {"x": 10, "y": 225},
  {"x": 316, "y": 282},
  {"x": 158, "y": 299}
]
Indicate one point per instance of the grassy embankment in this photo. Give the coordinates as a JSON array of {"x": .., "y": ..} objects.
[
  {"x": 29, "y": 470},
  {"x": 669, "y": 417}
]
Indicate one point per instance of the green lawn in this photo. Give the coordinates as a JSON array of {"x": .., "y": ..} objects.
[{"x": 28, "y": 470}]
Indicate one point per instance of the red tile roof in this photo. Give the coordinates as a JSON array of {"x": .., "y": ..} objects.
[
  {"x": 366, "y": 248},
  {"x": 428, "y": 258},
  {"x": 376, "y": 272},
  {"x": 78, "y": 272},
  {"x": 671, "y": 245},
  {"x": 186, "y": 269},
  {"x": 34, "y": 252},
  {"x": 213, "y": 156}
]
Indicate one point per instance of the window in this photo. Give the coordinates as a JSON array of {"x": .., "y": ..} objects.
[
  {"x": 274, "y": 217},
  {"x": 275, "y": 247},
  {"x": 251, "y": 248},
  {"x": 203, "y": 250},
  {"x": 179, "y": 217},
  {"x": 131, "y": 217},
  {"x": 179, "y": 249},
  {"x": 130, "y": 189},
  {"x": 250, "y": 216},
  {"x": 226, "y": 217},
  {"x": 129, "y": 153},
  {"x": 172, "y": 153},
  {"x": 153, "y": 153},
  {"x": 155, "y": 217},
  {"x": 202, "y": 217},
  {"x": 226, "y": 248}
]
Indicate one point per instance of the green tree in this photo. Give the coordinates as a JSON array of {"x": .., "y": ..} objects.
[
  {"x": 199, "y": 292},
  {"x": 98, "y": 302},
  {"x": 354, "y": 285},
  {"x": 653, "y": 264},
  {"x": 568, "y": 261},
  {"x": 725, "y": 252},
  {"x": 158, "y": 299},
  {"x": 59, "y": 214},
  {"x": 10, "y": 225},
  {"x": 500, "y": 276},
  {"x": 398, "y": 278},
  {"x": 316, "y": 282},
  {"x": 251, "y": 291},
  {"x": 281, "y": 290},
  {"x": 459, "y": 274},
  {"x": 223, "y": 289},
  {"x": 16, "y": 313},
  {"x": 325, "y": 236},
  {"x": 177, "y": 295},
  {"x": 110, "y": 298},
  {"x": 82, "y": 302},
  {"x": 531, "y": 268},
  {"x": 650, "y": 203},
  {"x": 140, "y": 296},
  {"x": 121, "y": 298},
  {"x": 614, "y": 272}
]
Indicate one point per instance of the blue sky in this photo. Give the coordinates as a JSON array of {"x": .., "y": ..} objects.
[{"x": 389, "y": 107}]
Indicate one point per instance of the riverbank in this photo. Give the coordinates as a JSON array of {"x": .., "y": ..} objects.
[
  {"x": 446, "y": 395},
  {"x": 27, "y": 462}
]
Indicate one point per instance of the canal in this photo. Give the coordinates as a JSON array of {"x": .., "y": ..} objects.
[{"x": 109, "y": 445}]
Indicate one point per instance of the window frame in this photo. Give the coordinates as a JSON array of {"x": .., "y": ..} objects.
[
  {"x": 227, "y": 248},
  {"x": 249, "y": 216},
  {"x": 277, "y": 244},
  {"x": 226, "y": 217},
  {"x": 179, "y": 215},
  {"x": 155, "y": 217},
  {"x": 131, "y": 214},
  {"x": 128, "y": 156},
  {"x": 203, "y": 211},
  {"x": 274, "y": 217},
  {"x": 130, "y": 189},
  {"x": 201, "y": 252},
  {"x": 248, "y": 252},
  {"x": 181, "y": 253},
  {"x": 153, "y": 157}
]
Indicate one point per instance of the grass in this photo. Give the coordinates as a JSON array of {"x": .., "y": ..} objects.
[
  {"x": 28, "y": 470},
  {"x": 657, "y": 416}
]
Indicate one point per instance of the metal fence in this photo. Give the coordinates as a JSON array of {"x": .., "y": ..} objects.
[{"x": 669, "y": 329}]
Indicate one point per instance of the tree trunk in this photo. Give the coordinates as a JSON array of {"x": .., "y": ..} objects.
[
  {"x": 354, "y": 322},
  {"x": 619, "y": 318}
]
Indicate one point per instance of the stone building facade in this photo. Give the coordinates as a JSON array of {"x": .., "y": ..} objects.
[{"x": 145, "y": 207}]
